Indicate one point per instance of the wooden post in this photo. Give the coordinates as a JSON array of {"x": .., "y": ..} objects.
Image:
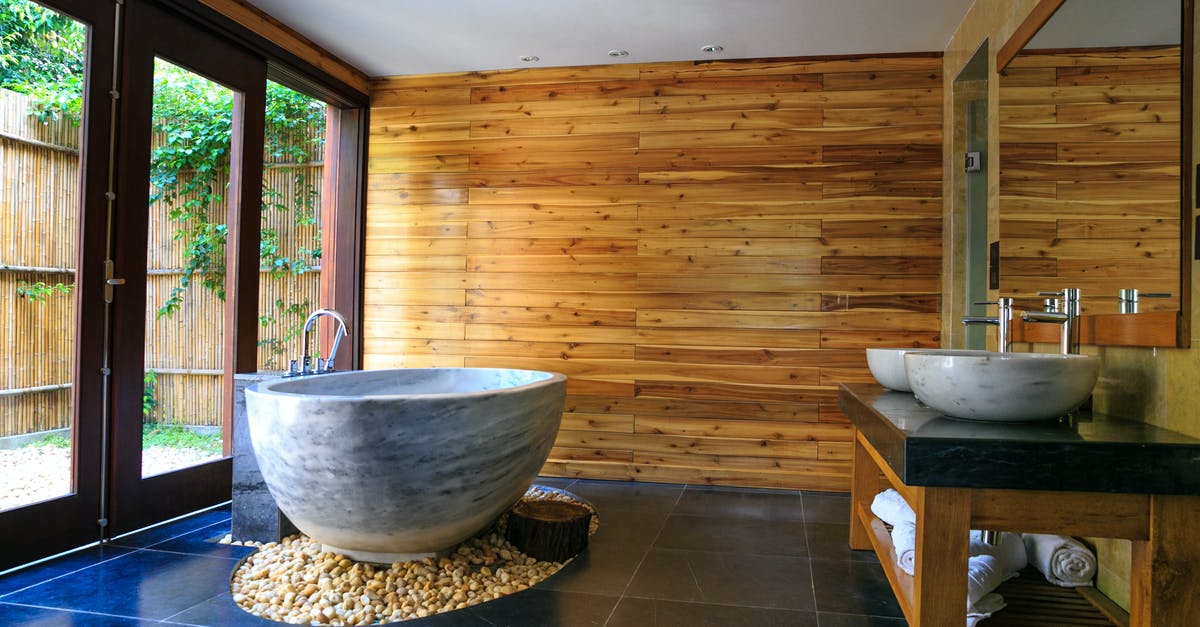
[
  {"x": 1165, "y": 575},
  {"x": 864, "y": 477},
  {"x": 940, "y": 584}
]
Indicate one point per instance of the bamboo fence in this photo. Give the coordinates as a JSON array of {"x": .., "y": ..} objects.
[{"x": 39, "y": 206}]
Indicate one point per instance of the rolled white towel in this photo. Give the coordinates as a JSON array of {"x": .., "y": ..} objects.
[
  {"x": 1010, "y": 550},
  {"x": 892, "y": 509},
  {"x": 984, "y": 574},
  {"x": 904, "y": 541},
  {"x": 1064, "y": 561},
  {"x": 984, "y": 608}
]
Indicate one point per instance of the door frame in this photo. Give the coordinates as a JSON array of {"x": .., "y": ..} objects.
[
  {"x": 52, "y": 526},
  {"x": 135, "y": 501}
]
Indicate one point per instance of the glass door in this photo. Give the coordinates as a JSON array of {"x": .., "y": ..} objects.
[
  {"x": 185, "y": 317},
  {"x": 55, "y": 73}
]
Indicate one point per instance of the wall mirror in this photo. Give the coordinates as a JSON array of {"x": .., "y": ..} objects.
[{"x": 1090, "y": 149}]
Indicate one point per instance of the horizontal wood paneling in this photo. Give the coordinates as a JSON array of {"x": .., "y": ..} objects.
[
  {"x": 705, "y": 249},
  {"x": 1089, "y": 175}
]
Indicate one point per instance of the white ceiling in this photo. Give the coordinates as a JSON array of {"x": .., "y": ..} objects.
[
  {"x": 395, "y": 37},
  {"x": 1101, "y": 23}
]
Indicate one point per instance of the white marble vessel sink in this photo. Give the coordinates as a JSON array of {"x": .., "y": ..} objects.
[
  {"x": 887, "y": 364},
  {"x": 1002, "y": 387}
]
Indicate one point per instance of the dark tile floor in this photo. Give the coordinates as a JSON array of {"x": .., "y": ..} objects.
[{"x": 665, "y": 556}]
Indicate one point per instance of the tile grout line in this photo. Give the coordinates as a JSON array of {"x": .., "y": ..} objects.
[
  {"x": 812, "y": 576},
  {"x": 641, "y": 561},
  {"x": 82, "y": 612},
  {"x": 65, "y": 574}
]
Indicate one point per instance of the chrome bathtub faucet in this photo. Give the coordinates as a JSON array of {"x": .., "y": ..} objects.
[{"x": 306, "y": 364}]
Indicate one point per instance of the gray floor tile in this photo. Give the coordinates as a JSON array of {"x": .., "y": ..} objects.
[{"x": 724, "y": 578}]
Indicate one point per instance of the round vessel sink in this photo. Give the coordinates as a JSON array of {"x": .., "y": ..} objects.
[
  {"x": 1001, "y": 387},
  {"x": 887, "y": 364}
]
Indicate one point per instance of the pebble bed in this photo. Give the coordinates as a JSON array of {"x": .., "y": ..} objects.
[
  {"x": 36, "y": 473},
  {"x": 294, "y": 581}
]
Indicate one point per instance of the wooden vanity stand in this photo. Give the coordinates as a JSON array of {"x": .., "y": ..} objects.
[{"x": 1095, "y": 476}]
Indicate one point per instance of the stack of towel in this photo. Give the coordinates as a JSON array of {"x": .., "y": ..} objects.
[{"x": 1063, "y": 560}]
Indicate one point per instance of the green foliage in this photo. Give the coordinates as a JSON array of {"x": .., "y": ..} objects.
[
  {"x": 53, "y": 440},
  {"x": 293, "y": 315},
  {"x": 179, "y": 436},
  {"x": 194, "y": 117},
  {"x": 149, "y": 388},
  {"x": 42, "y": 54},
  {"x": 37, "y": 292}
]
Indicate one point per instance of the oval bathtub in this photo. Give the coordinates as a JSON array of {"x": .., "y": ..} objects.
[{"x": 389, "y": 465}]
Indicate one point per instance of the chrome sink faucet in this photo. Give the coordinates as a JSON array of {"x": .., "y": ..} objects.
[
  {"x": 308, "y": 365},
  {"x": 1002, "y": 320},
  {"x": 1063, "y": 310}
]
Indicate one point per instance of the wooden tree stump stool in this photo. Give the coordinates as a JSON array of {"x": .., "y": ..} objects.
[{"x": 552, "y": 531}]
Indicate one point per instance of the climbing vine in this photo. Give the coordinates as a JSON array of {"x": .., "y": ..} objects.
[{"x": 42, "y": 54}]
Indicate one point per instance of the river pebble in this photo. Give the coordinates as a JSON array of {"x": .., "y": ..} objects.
[{"x": 295, "y": 581}]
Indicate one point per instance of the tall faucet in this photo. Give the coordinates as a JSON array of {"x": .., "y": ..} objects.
[
  {"x": 1065, "y": 311},
  {"x": 1002, "y": 320},
  {"x": 318, "y": 366}
]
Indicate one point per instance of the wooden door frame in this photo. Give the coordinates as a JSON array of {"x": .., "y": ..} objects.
[
  {"x": 135, "y": 501},
  {"x": 61, "y": 523}
]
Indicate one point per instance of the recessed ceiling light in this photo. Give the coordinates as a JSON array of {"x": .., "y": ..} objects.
[
  {"x": 712, "y": 48},
  {"x": 618, "y": 53},
  {"x": 531, "y": 58}
]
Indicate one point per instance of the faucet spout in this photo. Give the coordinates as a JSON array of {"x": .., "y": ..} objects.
[
  {"x": 325, "y": 365},
  {"x": 1067, "y": 315},
  {"x": 1002, "y": 321}
]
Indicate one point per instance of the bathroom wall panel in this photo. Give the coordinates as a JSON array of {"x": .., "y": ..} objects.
[{"x": 703, "y": 248}]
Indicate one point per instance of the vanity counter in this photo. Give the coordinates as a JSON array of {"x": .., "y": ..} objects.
[
  {"x": 1092, "y": 453},
  {"x": 1097, "y": 477}
]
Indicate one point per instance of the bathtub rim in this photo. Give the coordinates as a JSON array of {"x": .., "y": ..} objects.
[{"x": 266, "y": 388}]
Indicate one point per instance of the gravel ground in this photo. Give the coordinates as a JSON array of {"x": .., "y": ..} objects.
[
  {"x": 37, "y": 473},
  {"x": 296, "y": 581}
]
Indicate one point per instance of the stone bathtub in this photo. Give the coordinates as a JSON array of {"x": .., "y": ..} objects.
[{"x": 390, "y": 465}]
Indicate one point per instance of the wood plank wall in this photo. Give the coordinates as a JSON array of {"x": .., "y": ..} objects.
[
  {"x": 1089, "y": 174},
  {"x": 704, "y": 249}
]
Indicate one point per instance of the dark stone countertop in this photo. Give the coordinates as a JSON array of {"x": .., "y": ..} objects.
[{"x": 1093, "y": 453}]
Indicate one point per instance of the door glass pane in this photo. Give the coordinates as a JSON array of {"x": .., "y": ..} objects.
[
  {"x": 293, "y": 176},
  {"x": 185, "y": 282},
  {"x": 41, "y": 81}
]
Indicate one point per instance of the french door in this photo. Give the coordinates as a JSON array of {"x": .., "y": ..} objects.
[
  {"x": 129, "y": 268},
  {"x": 184, "y": 309},
  {"x": 54, "y": 389}
]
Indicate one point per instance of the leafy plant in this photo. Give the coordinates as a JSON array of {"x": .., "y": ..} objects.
[
  {"x": 293, "y": 314},
  {"x": 37, "y": 292},
  {"x": 53, "y": 440},
  {"x": 149, "y": 387},
  {"x": 42, "y": 54}
]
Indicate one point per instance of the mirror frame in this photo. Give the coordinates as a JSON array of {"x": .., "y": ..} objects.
[{"x": 1150, "y": 328}]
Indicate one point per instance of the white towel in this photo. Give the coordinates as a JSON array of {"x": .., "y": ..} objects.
[
  {"x": 1009, "y": 549},
  {"x": 1064, "y": 561},
  {"x": 984, "y": 574},
  {"x": 984, "y": 608},
  {"x": 904, "y": 541},
  {"x": 892, "y": 509}
]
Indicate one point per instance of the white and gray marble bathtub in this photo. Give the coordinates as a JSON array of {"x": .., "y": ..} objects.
[{"x": 385, "y": 465}]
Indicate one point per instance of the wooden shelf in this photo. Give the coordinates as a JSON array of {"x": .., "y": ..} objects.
[{"x": 1030, "y": 600}]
